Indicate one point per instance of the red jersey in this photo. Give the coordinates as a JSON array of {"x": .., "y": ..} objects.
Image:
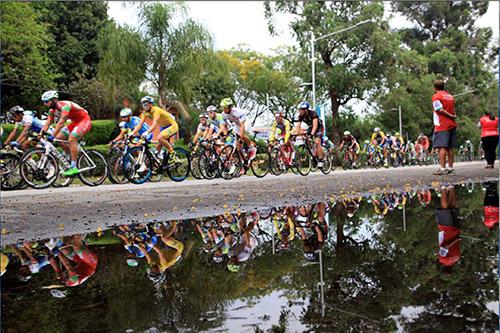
[
  {"x": 443, "y": 101},
  {"x": 488, "y": 127},
  {"x": 491, "y": 216},
  {"x": 74, "y": 111}
]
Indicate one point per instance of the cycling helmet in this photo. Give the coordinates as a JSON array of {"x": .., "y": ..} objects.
[
  {"x": 310, "y": 256},
  {"x": 233, "y": 268},
  {"x": 376, "y": 129},
  {"x": 211, "y": 108},
  {"x": 157, "y": 277},
  {"x": 147, "y": 99},
  {"x": 226, "y": 102},
  {"x": 388, "y": 134},
  {"x": 304, "y": 105},
  {"x": 278, "y": 114},
  {"x": 396, "y": 134},
  {"x": 203, "y": 115},
  {"x": 367, "y": 141},
  {"x": 468, "y": 141},
  {"x": 346, "y": 133},
  {"x": 48, "y": 95},
  {"x": 16, "y": 109},
  {"x": 218, "y": 259},
  {"x": 125, "y": 112}
]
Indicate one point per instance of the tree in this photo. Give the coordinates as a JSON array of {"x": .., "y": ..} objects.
[
  {"x": 26, "y": 68},
  {"x": 74, "y": 27},
  {"x": 123, "y": 62},
  {"x": 174, "y": 51},
  {"x": 443, "y": 43},
  {"x": 354, "y": 62}
]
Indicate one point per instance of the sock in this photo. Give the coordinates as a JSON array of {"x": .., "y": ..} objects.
[{"x": 73, "y": 164}]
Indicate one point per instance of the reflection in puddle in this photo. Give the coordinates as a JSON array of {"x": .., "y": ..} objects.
[{"x": 359, "y": 263}]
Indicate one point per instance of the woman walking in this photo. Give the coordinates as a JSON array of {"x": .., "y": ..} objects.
[{"x": 489, "y": 137}]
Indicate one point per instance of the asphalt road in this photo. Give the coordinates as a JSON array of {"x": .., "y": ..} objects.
[{"x": 38, "y": 214}]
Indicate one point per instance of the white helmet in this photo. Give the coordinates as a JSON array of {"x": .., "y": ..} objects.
[
  {"x": 203, "y": 115},
  {"x": 48, "y": 95},
  {"x": 125, "y": 112},
  {"x": 211, "y": 108},
  {"x": 376, "y": 129},
  {"x": 468, "y": 141},
  {"x": 346, "y": 133}
]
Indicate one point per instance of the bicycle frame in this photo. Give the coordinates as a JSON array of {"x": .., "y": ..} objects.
[{"x": 80, "y": 150}]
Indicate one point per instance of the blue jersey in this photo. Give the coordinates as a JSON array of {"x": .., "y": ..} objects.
[
  {"x": 29, "y": 118},
  {"x": 133, "y": 122}
]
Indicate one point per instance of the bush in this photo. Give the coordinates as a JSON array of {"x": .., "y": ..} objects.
[{"x": 101, "y": 133}]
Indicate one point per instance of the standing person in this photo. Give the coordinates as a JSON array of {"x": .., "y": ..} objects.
[
  {"x": 489, "y": 137},
  {"x": 444, "y": 137}
]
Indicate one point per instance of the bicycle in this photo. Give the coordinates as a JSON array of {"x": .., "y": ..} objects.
[
  {"x": 194, "y": 157},
  {"x": 348, "y": 161},
  {"x": 40, "y": 167},
  {"x": 281, "y": 160},
  {"x": 396, "y": 157},
  {"x": 117, "y": 152},
  {"x": 208, "y": 162},
  {"x": 10, "y": 177},
  {"x": 306, "y": 159},
  {"x": 232, "y": 161},
  {"x": 141, "y": 163}
]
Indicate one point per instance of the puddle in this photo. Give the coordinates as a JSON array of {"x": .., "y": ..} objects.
[{"x": 422, "y": 259}]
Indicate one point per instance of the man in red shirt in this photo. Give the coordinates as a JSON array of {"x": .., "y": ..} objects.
[{"x": 444, "y": 137}]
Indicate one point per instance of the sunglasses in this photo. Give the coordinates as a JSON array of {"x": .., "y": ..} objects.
[{"x": 145, "y": 104}]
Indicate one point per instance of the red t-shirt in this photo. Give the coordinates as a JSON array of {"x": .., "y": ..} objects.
[
  {"x": 491, "y": 216},
  {"x": 449, "y": 245},
  {"x": 488, "y": 127},
  {"x": 443, "y": 101}
]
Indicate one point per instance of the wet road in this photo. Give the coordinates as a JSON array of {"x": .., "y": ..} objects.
[{"x": 30, "y": 214}]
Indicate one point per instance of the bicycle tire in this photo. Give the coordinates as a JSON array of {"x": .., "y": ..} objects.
[
  {"x": 10, "y": 183},
  {"x": 26, "y": 169},
  {"x": 302, "y": 161},
  {"x": 260, "y": 165},
  {"x": 98, "y": 174},
  {"x": 131, "y": 165},
  {"x": 178, "y": 164},
  {"x": 116, "y": 170},
  {"x": 208, "y": 164},
  {"x": 225, "y": 164}
]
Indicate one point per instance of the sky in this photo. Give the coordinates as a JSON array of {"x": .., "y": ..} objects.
[{"x": 243, "y": 22}]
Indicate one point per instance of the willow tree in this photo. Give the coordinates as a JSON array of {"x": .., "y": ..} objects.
[{"x": 175, "y": 49}]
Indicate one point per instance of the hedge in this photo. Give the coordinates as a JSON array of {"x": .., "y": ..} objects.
[{"x": 101, "y": 133}]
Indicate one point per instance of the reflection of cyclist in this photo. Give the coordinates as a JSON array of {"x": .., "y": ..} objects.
[
  {"x": 241, "y": 252},
  {"x": 317, "y": 230},
  {"x": 133, "y": 236},
  {"x": 32, "y": 259},
  {"x": 380, "y": 205},
  {"x": 283, "y": 220},
  {"x": 351, "y": 205},
  {"x": 491, "y": 205},
  {"x": 449, "y": 227}
]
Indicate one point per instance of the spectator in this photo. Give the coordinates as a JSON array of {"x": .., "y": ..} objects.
[
  {"x": 489, "y": 137},
  {"x": 444, "y": 137}
]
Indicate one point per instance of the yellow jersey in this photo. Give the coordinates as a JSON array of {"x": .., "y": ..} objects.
[
  {"x": 379, "y": 133},
  {"x": 282, "y": 129},
  {"x": 163, "y": 117}
]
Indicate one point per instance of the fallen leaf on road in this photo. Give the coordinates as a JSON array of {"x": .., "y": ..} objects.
[
  {"x": 61, "y": 226},
  {"x": 4, "y": 231}
]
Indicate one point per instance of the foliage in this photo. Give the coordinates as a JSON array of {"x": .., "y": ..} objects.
[
  {"x": 91, "y": 94},
  {"x": 74, "y": 28},
  {"x": 26, "y": 67}
]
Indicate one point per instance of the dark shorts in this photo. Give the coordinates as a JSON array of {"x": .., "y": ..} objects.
[
  {"x": 319, "y": 132},
  {"x": 445, "y": 139}
]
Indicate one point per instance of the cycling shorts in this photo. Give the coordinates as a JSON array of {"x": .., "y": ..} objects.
[
  {"x": 167, "y": 131},
  {"x": 78, "y": 129}
]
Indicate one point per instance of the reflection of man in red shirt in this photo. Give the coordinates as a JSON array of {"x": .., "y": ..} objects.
[
  {"x": 444, "y": 137},
  {"x": 491, "y": 205},
  {"x": 449, "y": 227}
]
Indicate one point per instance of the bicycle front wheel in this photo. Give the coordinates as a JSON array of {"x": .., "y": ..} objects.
[
  {"x": 39, "y": 170},
  {"x": 93, "y": 166},
  {"x": 116, "y": 170},
  {"x": 137, "y": 166},
  {"x": 196, "y": 172},
  {"x": 10, "y": 176},
  {"x": 302, "y": 160},
  {"x": 261, "y": 163},
  {"x": 178, "y": 164},
  {"x": 229, "y": 163},
  {"x": 208, "y": 164}
]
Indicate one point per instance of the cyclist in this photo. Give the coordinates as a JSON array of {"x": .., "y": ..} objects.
[
  {"x": 61, "y": 112},
  {"x": 352, "y": 144},
  {"x": 29, "y": 124},
  {"x": 280, "y": 131},
  {"x": 236, "y": 117},
  {"x": 161, "y": 118},
  {"x": 469, "y": 149},
  {"x": 398, "y": 142},
  {"x": 205, "y": 130},
  {"x": 214, "y": 118},
  {"x": 315, "y": 130},
  {"x": 422, "y": 142},
  {"x": 380, "y": 139},
  {"x": 129, "y": 123}
]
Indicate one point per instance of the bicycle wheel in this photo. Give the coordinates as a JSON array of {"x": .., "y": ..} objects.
[
  {"x": 327, "y": 164},
  {"x": 39, "y": 170},
  {"x": 137, "y": 166},
  {"x": 195, "y": 165},
  {"x": 10, "y": 176},
  {"x": 229, "y": 163},
  {"x": 178, "y": 164},
  {"x": 116, "y": 170},
  {"x": 209, "y": 164},
  {"x": 302, "y": 160},
  {"x": 260, "y": 165},
  {"x": 276, "y": 163},
  {"x": 94, "y": 167}
]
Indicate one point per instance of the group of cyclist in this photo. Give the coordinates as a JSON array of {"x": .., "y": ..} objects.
[{"x": 227, "y": 127}]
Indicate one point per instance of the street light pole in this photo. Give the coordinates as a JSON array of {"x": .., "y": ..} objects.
[
  {"x": 313, "y": 60},
  {"x": 400, "y": 122}
]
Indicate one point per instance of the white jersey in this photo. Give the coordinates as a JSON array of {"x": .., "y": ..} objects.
[
  {"x": 29, "y": 118},
  {"x": 235, "y": 117}
]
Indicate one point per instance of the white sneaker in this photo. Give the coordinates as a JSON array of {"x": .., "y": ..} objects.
[
  {"x": 142, "y": 168},
  {"x": 232, "y": 168}
]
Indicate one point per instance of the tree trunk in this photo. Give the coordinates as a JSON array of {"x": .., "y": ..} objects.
[{"x": 335, "y": 115}]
